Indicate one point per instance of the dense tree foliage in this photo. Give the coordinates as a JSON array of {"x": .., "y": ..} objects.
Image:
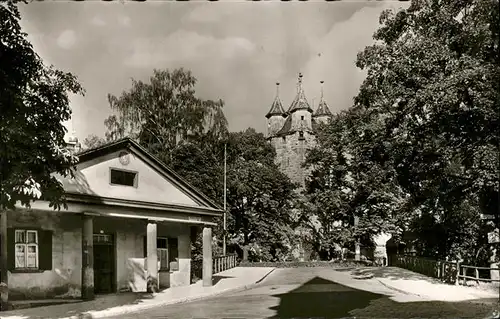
[
  {"x": 165, "y": 111},
  {"x": 259, "y": 196},
  {"x": 423, "y": 139},
  {"x": 33, "y": 105},
  {"x": 93, "y": 141}
]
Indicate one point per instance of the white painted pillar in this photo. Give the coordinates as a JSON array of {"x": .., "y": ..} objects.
[
  {"x": 152, "y": 258},
  {"x": 207, "y": 257}
]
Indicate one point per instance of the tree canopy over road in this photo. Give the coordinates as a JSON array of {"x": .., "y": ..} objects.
[{"x": 419, "y": 148}]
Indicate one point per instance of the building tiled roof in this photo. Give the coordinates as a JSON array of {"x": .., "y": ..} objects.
[
  {"x": 277, "y": 106},
  {"x": 286, "y": 129},
  {"x": 323, "y": 108}
]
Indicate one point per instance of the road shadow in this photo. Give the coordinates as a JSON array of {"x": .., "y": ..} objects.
[
  {"x": 321, "y": 298},
  {"x": 216, "y": 279}
]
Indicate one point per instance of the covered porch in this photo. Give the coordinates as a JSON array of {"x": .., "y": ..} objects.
[{"x": 125, "y": 246}]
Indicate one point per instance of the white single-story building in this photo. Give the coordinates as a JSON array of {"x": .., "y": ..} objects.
[{"x": 127, "y": 213}]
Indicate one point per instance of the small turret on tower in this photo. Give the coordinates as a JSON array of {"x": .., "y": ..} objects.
[
  {"x": 322, "y": 113},
  {"x": 300, "y": 111},
  {"x": 276, "y": 115}
]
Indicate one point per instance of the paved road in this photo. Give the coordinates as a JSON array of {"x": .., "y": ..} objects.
[{"x": 311, "y": 293}]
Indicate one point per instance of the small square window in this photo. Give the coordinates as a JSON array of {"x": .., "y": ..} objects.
[
  {"x": 121, "y": 177},
  {"x": 302, "y": 117}
]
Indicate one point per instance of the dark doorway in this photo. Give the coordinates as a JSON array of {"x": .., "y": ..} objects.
[{"x": 104, "y": 264}]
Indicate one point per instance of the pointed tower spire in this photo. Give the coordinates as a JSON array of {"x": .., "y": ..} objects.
[
  {"x": 300, "y": 101},
  {"x": 323, "y": 109},
  {"x": 321, "y": 89},
  {"x": 277, "y": 106},
  {"x": 299, "y": 83}
]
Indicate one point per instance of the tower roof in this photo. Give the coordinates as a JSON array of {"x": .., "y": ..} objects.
[
  {"x": 277, "y": 106},
  {"x": 300, "y": 101},
  {"x": 323, "y": 109}
]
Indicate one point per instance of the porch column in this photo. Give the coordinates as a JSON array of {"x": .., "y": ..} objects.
[
  {"x": 87, "y": 258},
  {"x": 152, "y": 259},
  {"x": 207, "y": 257},
  {"x": 4, "y": 275}
]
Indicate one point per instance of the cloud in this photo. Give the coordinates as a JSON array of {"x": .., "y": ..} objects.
[
  {"x": 214, "y": 12},
  {"x": 237, "y": 50},
  {"x": 66, "y": 39},
  {"x": 334, "y": 60},
  {"x": 124, "y": 20},
  {"x": 185, "y": 46},
  {"x": 98, "y": 21}
]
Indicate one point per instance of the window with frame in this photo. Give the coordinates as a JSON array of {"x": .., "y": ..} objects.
[
  {"x": 162, "y": 252},
  {"x": 26, "y": 249},
  {"x": 166, "y": 251}
]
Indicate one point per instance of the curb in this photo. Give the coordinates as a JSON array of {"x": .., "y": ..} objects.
[
  {"x": 398, "y": 290},
  {"x": 87, "y": 315}
]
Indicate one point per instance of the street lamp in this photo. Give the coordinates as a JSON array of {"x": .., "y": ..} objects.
[{"x": 225, "y": 188}]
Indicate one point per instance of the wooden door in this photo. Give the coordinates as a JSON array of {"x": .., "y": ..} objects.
[{"x": 104, "y": 264}]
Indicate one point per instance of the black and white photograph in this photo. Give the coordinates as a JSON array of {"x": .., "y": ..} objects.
[{"x": 249, "y": 159}]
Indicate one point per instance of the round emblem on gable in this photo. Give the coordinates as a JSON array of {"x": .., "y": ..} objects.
[{"x": 124, "y": 158}]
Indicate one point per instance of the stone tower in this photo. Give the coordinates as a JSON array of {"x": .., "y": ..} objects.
[{"x": 291, "y": 132}]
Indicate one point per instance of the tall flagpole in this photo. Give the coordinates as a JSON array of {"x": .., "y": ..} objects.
[{"x": 225, "y": 187}]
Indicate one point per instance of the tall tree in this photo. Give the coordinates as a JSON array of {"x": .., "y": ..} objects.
[
  {"x": 422, "y": 136},
  {"x": 260, "y": 198},
  {"x": 93, "y": 141},
  {"x": 348, "y": 184},
  {"x": 33, "y": 105},
  {"x": 433, "y": 84},
  {"x": 165, "y": 111}
]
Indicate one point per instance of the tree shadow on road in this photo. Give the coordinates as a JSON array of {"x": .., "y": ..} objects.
[{"x": 321, "y": 298}]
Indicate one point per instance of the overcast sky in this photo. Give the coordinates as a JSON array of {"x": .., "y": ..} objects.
[{"x": 237, "y": 50}]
